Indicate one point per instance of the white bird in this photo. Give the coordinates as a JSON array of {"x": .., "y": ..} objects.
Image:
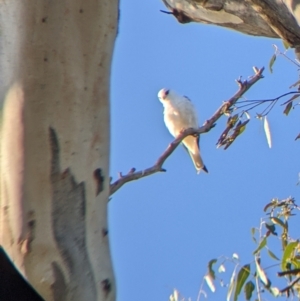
[{"x": 180, "y": 114}]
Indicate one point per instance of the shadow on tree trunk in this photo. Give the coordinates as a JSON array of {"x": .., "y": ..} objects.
[{"x": 13, "y": 287}]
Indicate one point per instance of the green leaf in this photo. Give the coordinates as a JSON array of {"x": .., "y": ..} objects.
[
  {"x": 272, "y": 255},
  {"x": 242, "y": 129},
  {"x": 291, "y": 99},
  {"x": 296, "y": 263},
  {"x": 267, "y": 132},
  {"x": 261, "y": 274},
  {"x": 174, "y": 296},
  {"x": 295, "y": 84},
  {"x": 232, "y": 120},
  {"x": 286, "y": 44},
  {"x": 288, "y": 108},
  {"x": 253, "y": 233},
  {"x": 271, "y": 228},
  {"x": 275, "y": 291},
  {"x": 210, "y": 282},
  {"x": 241, "y": 279},
  {"x": 262, "y": 244},
  {"x": 248, "y": 289},
  {"x": 221, "y": 268},
  {"x": 268, "y": 205},
  {"x": 211, "y": 272},
  {"x": 279, "y": 222},
  {"x": 288, "y": 254},
  {"x": 271, "y": 63},
  {"x": 231, "y": 286},
  {"x": 247, "y": 114}
]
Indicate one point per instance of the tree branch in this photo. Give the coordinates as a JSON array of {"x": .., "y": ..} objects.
[
  {"x": 290, "y": 286},
  {"x": 132, "y": 175},
  {"x": 266, "y": 10}
]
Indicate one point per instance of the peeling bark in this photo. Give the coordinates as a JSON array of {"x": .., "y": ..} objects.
[
  {"x": 55, "y": 69},
  {"x": 267, "y": 18},
  {"x": 69, "y": 231}
]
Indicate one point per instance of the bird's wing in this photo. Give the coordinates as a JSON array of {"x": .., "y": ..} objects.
[{"x": 188, "y": 112}]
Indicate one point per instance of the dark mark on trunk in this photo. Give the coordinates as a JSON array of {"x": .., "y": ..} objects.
[
  {"x": 68, "y": 226},
  {"x": 106, "y": 286},
  {"x": 99, "y": 180}
]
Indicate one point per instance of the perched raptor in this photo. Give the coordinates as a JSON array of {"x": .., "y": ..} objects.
[{"x": 180, "y": 114}]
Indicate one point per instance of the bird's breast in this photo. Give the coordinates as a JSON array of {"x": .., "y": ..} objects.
[{"x": 175, "y": 123}]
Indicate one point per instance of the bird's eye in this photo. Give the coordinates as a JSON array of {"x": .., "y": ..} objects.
[{"x": 167, "y": 92}]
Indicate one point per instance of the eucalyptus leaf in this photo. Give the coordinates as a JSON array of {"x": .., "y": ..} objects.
[
  {"x": 295, "y": 84},
  {"x": 292, "y": 98},
  {"x": 231, "y": 285},
  {"x": 271, "y": 63},
  {"x": 288, "y": 254},
  {"x": 275, "y": 291},
  {"x": 261, "y": 245},
  {"x": 210, "y": 282},
  {"x": 261, "y": 274},
  {"x": 288, "y": 108},
  {"x": 267, "y": 132},
  {"x": 211, "y": 272},
  {"x": 272, "y": 255},
  {"x": 271, "y": 228},
  {"x": 221, "y": 268},
  {"x": 278, "y": 221},
  {"x": 286, "y": 44},
  {"x": 267, "y": 206},
  {"x": 248, "y": 289},
  {"x": 242, "y": 276}
]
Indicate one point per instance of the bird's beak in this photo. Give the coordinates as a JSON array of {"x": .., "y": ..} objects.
[{"x": 162, "y": 94}]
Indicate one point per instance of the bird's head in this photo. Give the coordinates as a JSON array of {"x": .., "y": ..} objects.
[{"x": 165, "y": 95}]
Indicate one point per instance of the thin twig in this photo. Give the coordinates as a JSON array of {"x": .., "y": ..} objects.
[
  {"x": 208, "y": 125},
  {"x": 290, "y": 286},
  {"x": 268, "y": 109},
  {"x": 260, "y": 102},
  {"x": 257, "y": 289},
  {"x": 201, "y": 290}
]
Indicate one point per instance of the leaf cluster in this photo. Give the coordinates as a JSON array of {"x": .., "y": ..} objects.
[
  {"x": 252, "y": 278},
  {"x": 236, "y": 123}
]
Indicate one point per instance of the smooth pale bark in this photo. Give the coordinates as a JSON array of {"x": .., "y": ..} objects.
[
  {"x": 55, "y": 70},
  {"x": 268, "y": 18}
]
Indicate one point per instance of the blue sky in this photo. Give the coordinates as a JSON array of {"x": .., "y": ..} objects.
[{"x": 165, "y": 228}]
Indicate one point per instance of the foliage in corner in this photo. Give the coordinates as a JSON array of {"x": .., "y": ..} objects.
[{"x": 254, "y": 278}]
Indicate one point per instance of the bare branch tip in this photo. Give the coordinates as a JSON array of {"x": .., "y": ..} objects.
[
  {"x": 261, "y": 70},
  {"x": 256, "y": 70},
  {"x": 131, "y": 171},
  {"x": 239, "y": 82}
]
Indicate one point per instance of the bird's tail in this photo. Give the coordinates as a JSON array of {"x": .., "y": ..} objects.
[
  {"x": 198, "y": 162},
  {"x": 192, "y": 145}
]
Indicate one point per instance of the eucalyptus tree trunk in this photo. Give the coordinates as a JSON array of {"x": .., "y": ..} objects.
[{"x": 55, "y": 78}]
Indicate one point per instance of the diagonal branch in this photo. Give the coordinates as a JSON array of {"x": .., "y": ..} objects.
[
  {"x": 132, "y": 175},
  {"x": 290, "y": 286}
]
